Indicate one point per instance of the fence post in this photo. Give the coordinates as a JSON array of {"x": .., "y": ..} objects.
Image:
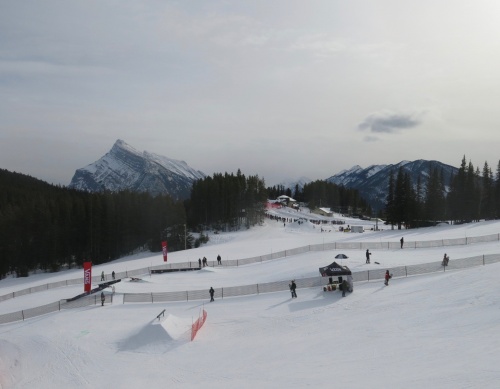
[
  {"x": 483, "y": 259},
  {"x": 222, "y": 293},
  {"x": 152, "y": 298},
  {"x": 187, "y": 295},
  {"x": 22, "y": 313},
  {"x": 257, "y": 288},
  {"x": 59, "y": 304},
  {"x": 406, "y": 271}
]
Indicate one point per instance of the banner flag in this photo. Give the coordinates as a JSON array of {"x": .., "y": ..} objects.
[
  {"x": 164, "y": 248},
  {"x": 87, "y": 276}
]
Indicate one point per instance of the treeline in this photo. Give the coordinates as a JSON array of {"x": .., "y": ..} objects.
[
  {"x": 43, "y": 226},
  {"x": 226, "y": 202},
  {"x": 325, "y": 194},
  {"x": 472, "y": 195}
]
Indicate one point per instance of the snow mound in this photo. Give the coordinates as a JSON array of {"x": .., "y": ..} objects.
[
  {"x": 159, "y": 336},
  {"x": 209, "y": 269},
  {"x": 176, "y": 327}
]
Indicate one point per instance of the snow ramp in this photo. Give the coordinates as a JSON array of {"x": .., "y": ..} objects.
[{"x": 159, "y": 336}]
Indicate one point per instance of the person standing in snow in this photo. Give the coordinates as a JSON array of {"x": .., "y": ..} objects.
[
  {"x": 102, "y": 299},
  {"x": 211, "y": 291},
  {"x": 344, "y": 287},
  {"x": 102, "y": 276},
  {"x": 445, "y": 260},
  {"x": 368, "y": 256},
  {"x": 113, "y": 274},
  {"x": 402, "y": 241},
  {"x": 387, "y": 277},
  {"x": 199, "y": 262},
  {"x": 219, "y": 260},
  {"x": 293, "y": 286}
]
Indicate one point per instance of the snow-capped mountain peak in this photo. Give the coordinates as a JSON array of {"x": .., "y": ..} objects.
[{"x": 123, "y": 167}]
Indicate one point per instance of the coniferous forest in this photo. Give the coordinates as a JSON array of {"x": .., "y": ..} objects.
[
  {"x": 43, "y": 226},
  {"x": 473, "y": 195}
]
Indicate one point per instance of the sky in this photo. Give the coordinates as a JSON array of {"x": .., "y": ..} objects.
[
  {"x": 438, "y": 330},
  {"x": 226, "y": 85}
]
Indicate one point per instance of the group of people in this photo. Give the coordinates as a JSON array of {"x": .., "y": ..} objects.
[
  {"x": 203, "y": 262},
  {"x": 103, "y": 278}
]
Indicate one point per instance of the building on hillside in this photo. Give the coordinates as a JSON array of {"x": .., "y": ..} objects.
[
  {"x": 288, "y": 201},
  {"x": 324, "y": 211}
]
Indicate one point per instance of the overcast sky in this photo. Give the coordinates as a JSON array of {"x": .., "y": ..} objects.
[{"x": 282, "y": 89}]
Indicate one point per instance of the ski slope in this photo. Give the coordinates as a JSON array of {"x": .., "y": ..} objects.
[{"x": 434, "y": 331}]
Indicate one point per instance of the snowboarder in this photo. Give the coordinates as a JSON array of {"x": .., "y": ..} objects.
[
  {"x": 204, "y": 261},
  {"x": 402, "y": 241},
  {"x": 211, "y": 291},
  {"x": 344, "y": 287},
  {"x": 102, "y": 276},
  {"x": 368, "y": 256},
  {"x": 293, "y": 286},
  {"x": 387, "y": 277},
  {"x": 102, "y": 299},
  {"x": 113, "y": 274},
  {"x": 219, "y": 260}
]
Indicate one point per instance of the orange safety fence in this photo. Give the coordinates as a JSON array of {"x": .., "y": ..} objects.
[{"x": 198, "y": 324}]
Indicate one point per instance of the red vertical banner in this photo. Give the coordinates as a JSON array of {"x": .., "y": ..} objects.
[
  {"x": 164, "y": 249},
  {"x": 87, "y": 276}
]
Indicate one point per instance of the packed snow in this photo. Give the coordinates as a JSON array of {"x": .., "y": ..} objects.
[{"x": 437, "y": 330}]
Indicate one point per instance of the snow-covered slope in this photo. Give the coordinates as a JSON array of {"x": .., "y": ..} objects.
[{"x": 123, "y": 167}]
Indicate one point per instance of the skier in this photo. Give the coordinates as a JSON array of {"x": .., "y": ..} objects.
[
  {"x": 293, "y": 286},
  {"x": 211, "y": 291},
  {"x": 387, "y": 277},
  {"x": 368, "y": 256},
  {"x": 102, "y": 299}
]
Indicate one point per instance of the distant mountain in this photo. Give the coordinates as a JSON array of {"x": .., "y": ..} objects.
[
  {"x": 291, "y": 182},
  {"x": 123, "y": 168},
  {"x": 372, "y": 182}
]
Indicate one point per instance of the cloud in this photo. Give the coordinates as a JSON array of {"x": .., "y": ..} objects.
[{"x": 389, "y": 122}]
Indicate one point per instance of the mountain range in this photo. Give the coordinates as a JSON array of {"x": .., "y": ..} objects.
[
  {"x": 373, "y": 182},
  {"x": 124, "y": 168}
]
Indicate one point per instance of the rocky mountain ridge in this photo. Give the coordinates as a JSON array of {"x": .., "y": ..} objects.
[
  {"x": 373, "y": 182},
  {"x": 124, "y": 168}
]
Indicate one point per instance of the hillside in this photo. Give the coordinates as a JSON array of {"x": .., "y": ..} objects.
[{"x": 428, "y": 330}]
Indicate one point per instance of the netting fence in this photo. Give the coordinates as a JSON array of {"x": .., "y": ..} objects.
[{"x": 367, "y": 275}]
